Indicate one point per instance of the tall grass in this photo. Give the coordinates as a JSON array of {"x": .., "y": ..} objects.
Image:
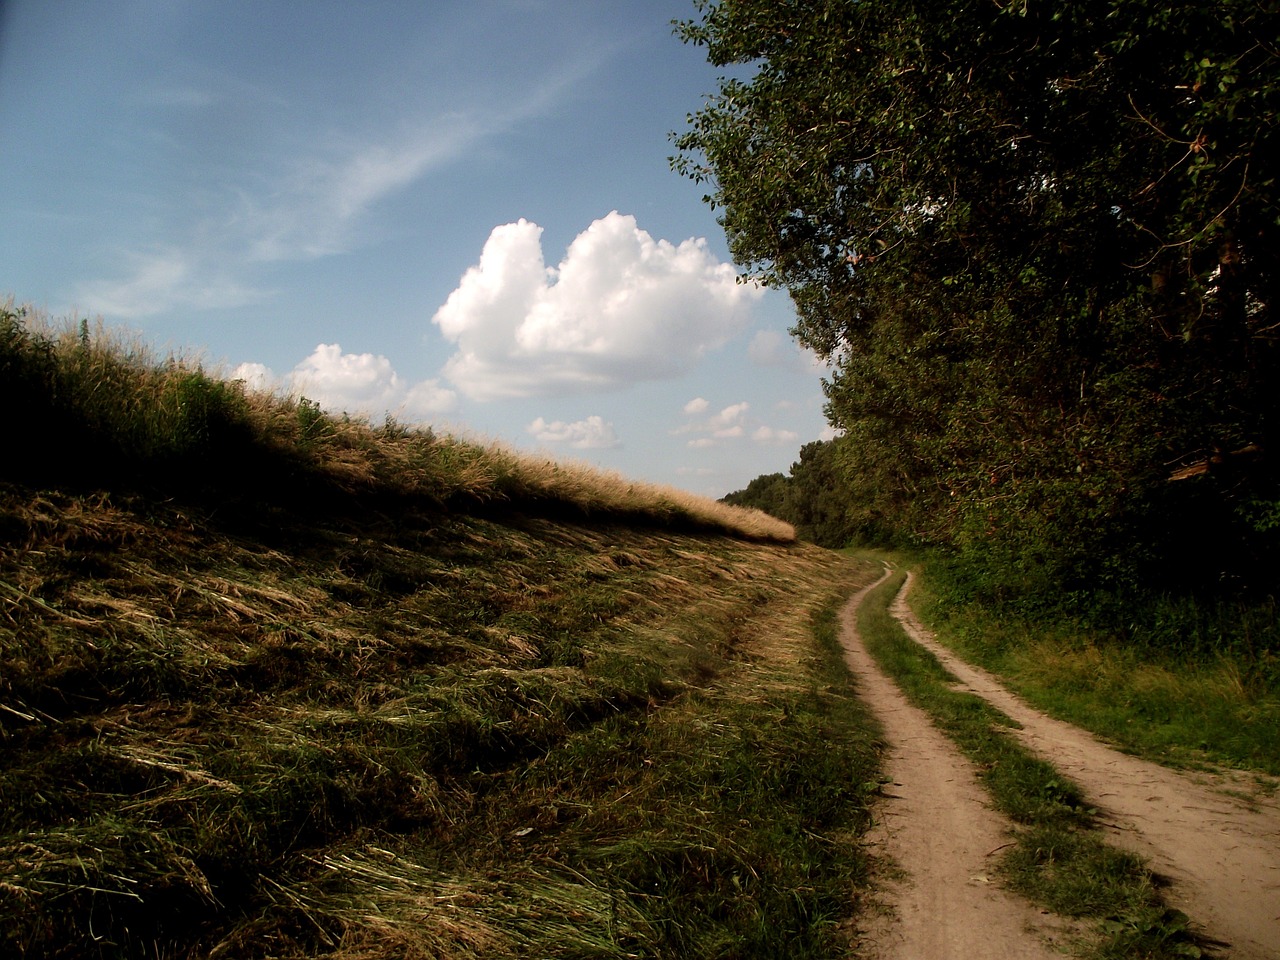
[{"x": 100, "y": 410}]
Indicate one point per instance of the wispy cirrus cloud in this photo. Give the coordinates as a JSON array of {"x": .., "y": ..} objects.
[
  {"x": 166, "y": 279},
  {"x": 278, "y": 206},
  {"x": 317, "y": 204}
]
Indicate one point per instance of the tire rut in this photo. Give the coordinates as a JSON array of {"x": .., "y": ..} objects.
[
  {"x": 1220, "y": 853},
  {"x": 935, "y": 842}
]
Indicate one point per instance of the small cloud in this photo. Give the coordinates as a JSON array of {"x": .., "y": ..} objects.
[
  {"x": 592, "y": 433},
  {"x": 349, "y": 382},
  {"x": 729, "y": 415},
  {"x": 610, "y": 314},
  {"x": 427, "y": 399},
  {"x": 725, "y": 425},
  {"x": 363, "y": 384},
  {"x": 695, "y": 406},
  {"x": 769, "y": 435},
  {"x": 256, "y": 376},
  {"x": 733, "y": 423}
]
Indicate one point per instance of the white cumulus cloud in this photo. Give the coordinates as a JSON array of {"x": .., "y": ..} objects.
[
  {"x": 592, "y": 433},
  {"x": 357, "y": 383},
  {"x": 257, "y": 376},
  {"x": 763, "y": 434},
  {"x": 354, "y": 382},
  {"x": 730, "y": 418},
  {"x": 621, "y": 307},
  {"x": 730, "y": 423}
]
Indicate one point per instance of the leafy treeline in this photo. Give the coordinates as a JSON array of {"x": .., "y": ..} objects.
[
  {"x": 810, "y": 497},
  {"x": 1038, "y": 242}
]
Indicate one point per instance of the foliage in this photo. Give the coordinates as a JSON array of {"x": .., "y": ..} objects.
[
  {"x": 1039, "y": 243},
  {"x": 814, "y": 498},
  {"x": 767, "y": 492}
]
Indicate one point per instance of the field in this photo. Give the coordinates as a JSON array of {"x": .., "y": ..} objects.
[{"x": 274, "y": 684}]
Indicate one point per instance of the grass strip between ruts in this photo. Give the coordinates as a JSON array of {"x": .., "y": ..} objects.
[{"x": 1058, "y": 858}]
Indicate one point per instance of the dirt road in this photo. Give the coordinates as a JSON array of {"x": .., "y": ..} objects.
[{"x": 1219, "y": 851}]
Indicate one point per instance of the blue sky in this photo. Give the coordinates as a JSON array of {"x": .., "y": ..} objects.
[{"x": 458, "y": 212}]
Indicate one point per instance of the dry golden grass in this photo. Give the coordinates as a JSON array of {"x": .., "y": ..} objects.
[
  {"x": 148, "y": 415},
  {"x": 428, "y": 735},
  {"x": 275, "y": 683}
]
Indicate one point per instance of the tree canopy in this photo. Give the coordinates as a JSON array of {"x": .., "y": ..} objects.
[{"x": 1038, "y": 242}]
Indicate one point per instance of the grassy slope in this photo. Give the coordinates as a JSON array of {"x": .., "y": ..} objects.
[{"x": 403, "y": 697}]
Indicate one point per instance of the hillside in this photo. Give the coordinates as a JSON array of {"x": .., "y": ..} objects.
[{"x": 298, "y": 686}]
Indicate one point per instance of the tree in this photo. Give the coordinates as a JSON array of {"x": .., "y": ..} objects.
[
  {"x": 812, "y": 497},
  {"x": 1039, "y": 243},
  {"x": 767, "y": 492}
]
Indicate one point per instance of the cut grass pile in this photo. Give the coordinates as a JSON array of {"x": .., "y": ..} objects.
[
  {"x": 1058, "y": 857},
  {"x": 345, "y": 709}
]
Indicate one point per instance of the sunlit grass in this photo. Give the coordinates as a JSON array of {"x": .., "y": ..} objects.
[
  {"x": 1170, "y": 706},
  {"x": 122, "y": 414},
  {"x": 398, "y": 695}
]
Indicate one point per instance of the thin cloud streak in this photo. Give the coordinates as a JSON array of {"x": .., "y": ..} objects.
[
  {"x": 309, "y": 209},
  {"x": 314, "y": 211}
]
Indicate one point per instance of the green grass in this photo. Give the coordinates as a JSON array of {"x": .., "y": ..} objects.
[
  {"x": 1206, "y": 691},
  {"x": 1058, "y": 858},
  {"x": 398, "y": 696}
]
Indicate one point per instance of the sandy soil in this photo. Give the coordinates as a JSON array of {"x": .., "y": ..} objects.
[
  {"x": 1216, "y": 840},
  {"x": 935, "y": 841}
]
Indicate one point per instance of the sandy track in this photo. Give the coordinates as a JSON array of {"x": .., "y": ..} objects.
[
  {"x": 936, "y": 829},
  {"x": 1221, "y": 853}
]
